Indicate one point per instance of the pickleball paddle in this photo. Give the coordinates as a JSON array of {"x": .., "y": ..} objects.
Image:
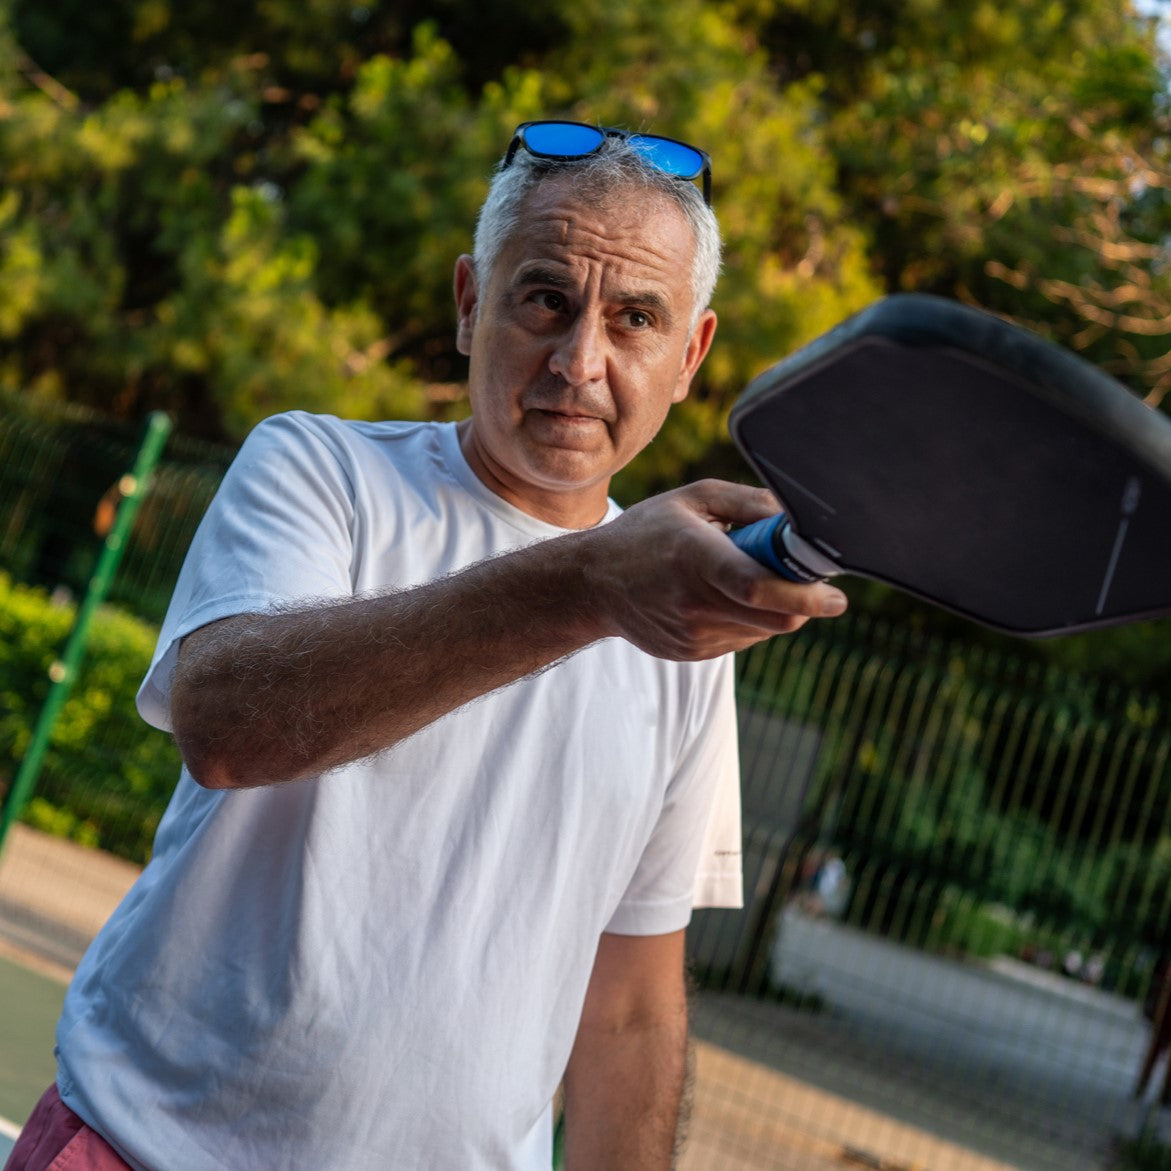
[{"x": 964, "y": 460}]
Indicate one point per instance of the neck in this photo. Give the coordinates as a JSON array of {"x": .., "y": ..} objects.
[{"x": 572, "y": 508}]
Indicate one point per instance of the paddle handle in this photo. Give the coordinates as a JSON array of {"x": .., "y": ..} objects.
[{"x": 775, "y": 545}]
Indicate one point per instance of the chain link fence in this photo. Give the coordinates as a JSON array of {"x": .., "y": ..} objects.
[
  {"x": 60, "y": 470},
  {"x": 106, "y": 775}
]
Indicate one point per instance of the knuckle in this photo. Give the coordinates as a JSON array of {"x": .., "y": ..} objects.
[
  {"x": 793, "y": 623},
  {"x": 757, "y": 591},
  {"x": 710, "y": 484}
]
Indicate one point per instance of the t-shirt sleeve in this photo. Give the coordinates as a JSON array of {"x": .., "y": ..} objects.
[
  {"x": 693, "y": 858},
  {"x": 278, "y": 532}
]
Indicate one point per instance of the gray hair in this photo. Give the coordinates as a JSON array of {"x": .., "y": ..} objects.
[{"x": 616, "y": 167}]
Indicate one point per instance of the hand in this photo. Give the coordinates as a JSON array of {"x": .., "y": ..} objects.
[{"x": 672, "y": 583}]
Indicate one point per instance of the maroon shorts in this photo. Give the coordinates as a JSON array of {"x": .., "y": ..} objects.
[{"x": 55, "y": 1139}]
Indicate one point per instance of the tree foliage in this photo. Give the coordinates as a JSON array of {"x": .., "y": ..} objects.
[
  {"x": 1023, "y": 167},
  {"x": 223, "y": 212},
  {"x": 226, "y": 210}
]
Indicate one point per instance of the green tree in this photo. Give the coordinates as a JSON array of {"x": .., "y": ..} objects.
[{"x": 1015, "y": 157}]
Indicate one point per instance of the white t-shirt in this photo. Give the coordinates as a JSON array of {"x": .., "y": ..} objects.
[{"x": 384, "y": 968}]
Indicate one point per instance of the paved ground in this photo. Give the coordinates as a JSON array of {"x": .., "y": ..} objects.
[
  {"x": 1022, "y": 1067},
  {"x": 917, "y": 1063},
  {"x": 923, "y": 1062},
  {"x": 749, "y": 1117},
  {"x": 54, "y": 896}
]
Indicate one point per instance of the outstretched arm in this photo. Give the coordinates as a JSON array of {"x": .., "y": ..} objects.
[{"x": 264, "y": 698}]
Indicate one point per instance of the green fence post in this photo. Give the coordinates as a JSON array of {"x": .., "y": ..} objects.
[{"x": 63, "y": 672}]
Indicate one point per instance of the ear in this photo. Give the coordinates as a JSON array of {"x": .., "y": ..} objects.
[
  {"x": 467, "y": 298},
  {"x": 697, "y": 347}
]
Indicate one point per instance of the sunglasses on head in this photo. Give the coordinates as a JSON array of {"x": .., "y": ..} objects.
[{"x": 565, "y": 141}]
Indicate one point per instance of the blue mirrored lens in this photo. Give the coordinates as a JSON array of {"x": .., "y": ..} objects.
[
  {"x": 562, "y": 139},
  {"x": 674, "y": 158}
]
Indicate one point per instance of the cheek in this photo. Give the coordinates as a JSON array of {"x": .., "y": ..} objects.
[
  {"x": 642, "y": 420},
  {"x": 502, "y": 371},
  {"x": 514, "y": 357}
]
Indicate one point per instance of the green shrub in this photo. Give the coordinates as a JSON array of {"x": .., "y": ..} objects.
[
  {"x": 61, "y": 823},
  {"x": 107, "y": 775},
  {"x": 964, "y": 925}
]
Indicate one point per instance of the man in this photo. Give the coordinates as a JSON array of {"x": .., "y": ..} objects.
[{"x": 457, "y": 752}]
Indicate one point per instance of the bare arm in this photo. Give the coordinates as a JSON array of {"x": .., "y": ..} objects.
[
  {"x": 626, "y": 1075},
  {"x": 264, "y": 698}
]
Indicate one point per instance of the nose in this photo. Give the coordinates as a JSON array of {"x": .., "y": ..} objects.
[{"x": 580, "y": 353}]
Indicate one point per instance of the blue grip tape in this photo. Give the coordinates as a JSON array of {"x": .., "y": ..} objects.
[{"x": 764, "y": 541}]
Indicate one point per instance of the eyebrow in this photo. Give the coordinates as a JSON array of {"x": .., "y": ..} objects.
[{"x": 537, "y": 274}]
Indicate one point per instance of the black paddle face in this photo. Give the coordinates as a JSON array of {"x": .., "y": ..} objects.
[{"x": 968, "y": 462}]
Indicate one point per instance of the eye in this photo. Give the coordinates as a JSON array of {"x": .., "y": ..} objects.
[
  {"x": 549, "y": 300},
  {"x": 638, "y": 319}
]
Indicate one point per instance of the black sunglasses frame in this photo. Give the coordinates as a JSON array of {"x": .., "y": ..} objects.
[{"x": 518, "y": 140}]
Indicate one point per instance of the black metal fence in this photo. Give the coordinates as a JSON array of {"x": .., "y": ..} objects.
[
  {"x": 60, "y": 470},
  {"x": 959, "y": 882}
]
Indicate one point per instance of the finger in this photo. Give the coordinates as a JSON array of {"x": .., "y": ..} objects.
[
  {"x": 743, "y": 580},
  {"x": 780, "y": 597},
  {"x": 731, "y": 504}
]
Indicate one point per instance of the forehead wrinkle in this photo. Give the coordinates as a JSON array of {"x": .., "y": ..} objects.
[
  {"x": 538, "y": 273},
  {"x": 590, "y": 236},
  {"x": 561, "y": 277}
]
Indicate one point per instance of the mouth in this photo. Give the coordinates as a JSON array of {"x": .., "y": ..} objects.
[
  {"x": 562, "y": 426},
  {"x": 569, "y": 414},
  {"x": 566, "y": 414}
]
